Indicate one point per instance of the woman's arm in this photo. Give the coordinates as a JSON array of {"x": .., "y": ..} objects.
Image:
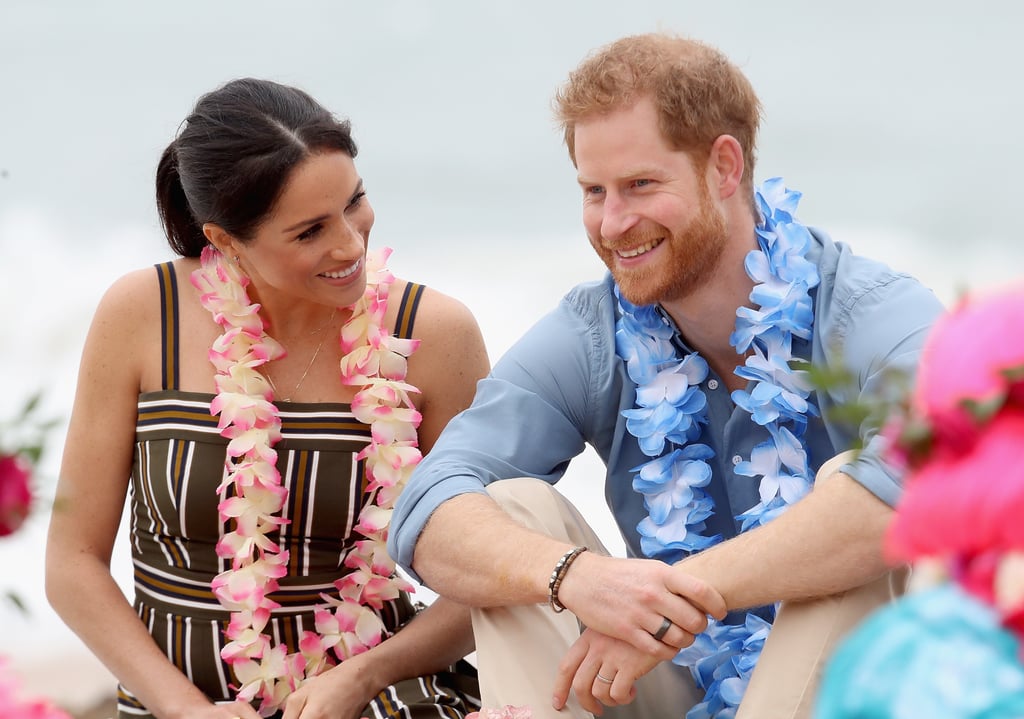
[
  {"x": 439, "y": 636},
  {"x": 90, "y": 498}
]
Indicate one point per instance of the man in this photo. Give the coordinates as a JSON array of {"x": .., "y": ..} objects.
[{"x": 677, "y": 369}]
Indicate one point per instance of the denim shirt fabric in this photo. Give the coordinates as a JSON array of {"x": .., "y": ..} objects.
[{"x": 561, "y": 386}]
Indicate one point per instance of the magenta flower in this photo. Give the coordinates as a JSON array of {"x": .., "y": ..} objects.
[
  {"x": 965, "y": 503},
  {"x": 13, "y": 706},
  {"x": 969, "y": 352},
  {"x": 15, "y": 493}
]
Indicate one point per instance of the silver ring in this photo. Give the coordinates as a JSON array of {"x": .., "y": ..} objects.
[
  {"x": 603, "y": 679},
  {"x": 663, "y": 629}
]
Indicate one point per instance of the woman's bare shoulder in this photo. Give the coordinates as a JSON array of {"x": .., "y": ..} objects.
[
  {"x": 136, "y": 294},
  {"x": 439, "y": 315}
]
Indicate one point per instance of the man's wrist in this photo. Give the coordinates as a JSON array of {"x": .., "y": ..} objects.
[{"x": 558, "y": 575}]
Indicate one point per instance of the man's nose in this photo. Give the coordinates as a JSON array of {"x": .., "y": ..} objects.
[{"x": 618, "y": 217}]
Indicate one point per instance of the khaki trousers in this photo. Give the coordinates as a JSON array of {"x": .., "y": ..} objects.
[{"x": 519, "y": 647}]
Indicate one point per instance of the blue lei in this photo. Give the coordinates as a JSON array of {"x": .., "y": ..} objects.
[{"x": 671, "y": 408}]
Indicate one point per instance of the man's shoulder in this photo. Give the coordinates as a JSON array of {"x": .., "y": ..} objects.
[
  {"x": 856, "y": 291},
  {"x": 594, "y": 299},
  {"x": 848, "y": 277}
]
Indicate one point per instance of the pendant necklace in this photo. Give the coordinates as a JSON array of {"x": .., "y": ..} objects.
[{"x": 309, "y": 366}]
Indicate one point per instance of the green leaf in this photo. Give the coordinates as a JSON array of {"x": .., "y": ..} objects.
[
  {"x": 31, "y": 405},
  {"x": 18, "y": 603},
  {"x": 984, "y": 409},
  {"x": 1013, "y": 374}
]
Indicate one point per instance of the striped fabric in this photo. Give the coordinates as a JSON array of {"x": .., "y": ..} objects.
[{"x": 178, "y": 465}]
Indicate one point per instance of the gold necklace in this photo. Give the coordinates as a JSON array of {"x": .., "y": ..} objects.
[{"x": 308, "y": 366}]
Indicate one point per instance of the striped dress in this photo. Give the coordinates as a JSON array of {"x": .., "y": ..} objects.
[{"x": 178, "y": 465}]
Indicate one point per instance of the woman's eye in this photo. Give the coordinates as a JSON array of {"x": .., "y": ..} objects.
[
  {"x": 357, "y": 200},
  {"x": 311, "y": 232}
]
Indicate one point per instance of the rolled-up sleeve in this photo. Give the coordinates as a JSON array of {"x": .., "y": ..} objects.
[{"x": 876, "y": 327}]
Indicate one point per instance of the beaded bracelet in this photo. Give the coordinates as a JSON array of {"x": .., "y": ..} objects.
[{"x": 558, "y": 574}]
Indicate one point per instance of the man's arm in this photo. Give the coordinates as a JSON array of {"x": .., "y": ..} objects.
[
  {"x": 500, "y": 562},
  {"x": 828, "y": 542},
  {"x": 831, "y": 540},
  {"x": 528, "y": 420}
]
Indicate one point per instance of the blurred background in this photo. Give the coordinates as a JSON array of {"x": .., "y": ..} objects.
[{"x": 898, "y": 121}]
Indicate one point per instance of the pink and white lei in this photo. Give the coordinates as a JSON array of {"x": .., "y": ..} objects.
[{"x": 252, "y": 494}]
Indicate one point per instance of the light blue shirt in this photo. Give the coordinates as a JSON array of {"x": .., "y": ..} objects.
[{"x": 561, "y": 387}]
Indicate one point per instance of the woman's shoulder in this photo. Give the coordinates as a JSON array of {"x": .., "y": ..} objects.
[
  {"x": 450, "y": 344},
  {"x": 434, "y": 313},
  {"x": 135, "y": 296}
]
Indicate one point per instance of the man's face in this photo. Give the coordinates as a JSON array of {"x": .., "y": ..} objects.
[{"x": 646, "y": 207}]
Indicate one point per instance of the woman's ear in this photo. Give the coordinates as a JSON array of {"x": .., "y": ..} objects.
[{"x": 219, "y": 238}]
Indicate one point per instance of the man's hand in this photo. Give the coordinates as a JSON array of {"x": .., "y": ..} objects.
[
  {"x": 602, "y": 671},
  {"x": 630, "y": 599}
]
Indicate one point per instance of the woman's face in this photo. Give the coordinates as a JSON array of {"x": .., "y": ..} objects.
[{"x": 313, "y": 244}]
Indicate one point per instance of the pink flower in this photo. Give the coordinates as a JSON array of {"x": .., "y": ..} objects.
[
  {"x": 968, "y": 352},
  {"x": 251, "y": 423},
  {"x": 14, "y": 707},
  {"x": 965, "y": 503},
  {"x": 15, "y": 494},
  {"x": 506, "y": 712}
]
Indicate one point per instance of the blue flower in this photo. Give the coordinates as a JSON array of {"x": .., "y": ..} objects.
[
  {"x": 645, "y": 356},
  {"x": 766, "y": 462},
  {"x": 671, "y": 408},
  {"x": 776, "y": 201},
  {"x": 681, "y": 532},
  {"x": 721, "y": 660}
]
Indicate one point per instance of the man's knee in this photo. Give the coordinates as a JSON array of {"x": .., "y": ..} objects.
[
  {"x": 531, "y": 502},
  {"x": 833, "y": 465},
  {"x": 523, "y": 490},
  {"x": 537, "y": 505}
]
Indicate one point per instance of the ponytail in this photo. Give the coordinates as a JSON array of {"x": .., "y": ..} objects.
[{"x": 184, "y": 234}]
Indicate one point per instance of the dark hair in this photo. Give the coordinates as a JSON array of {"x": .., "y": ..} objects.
[{"x": 234, "y": 154}]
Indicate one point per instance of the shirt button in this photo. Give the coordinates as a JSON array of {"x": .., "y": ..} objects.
[
  {"x": 712, "y": 384},
  {"x": 736, "y": 459}
]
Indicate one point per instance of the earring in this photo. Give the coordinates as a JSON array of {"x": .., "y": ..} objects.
[{"x": 237, "y": 260}]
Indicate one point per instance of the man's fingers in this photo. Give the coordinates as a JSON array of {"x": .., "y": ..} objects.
[
  {"x": 699, "y": 593},
  {"x": 674, "y": 636},
  {"x": 585, "y": 685},
  {"x": 567, "y": 670},
  {"x": 686, "y": 616}
]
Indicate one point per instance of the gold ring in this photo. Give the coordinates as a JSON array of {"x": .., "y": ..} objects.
[
  {"x": 663, "y": 629},
  {"x": 603, "y": 679}
]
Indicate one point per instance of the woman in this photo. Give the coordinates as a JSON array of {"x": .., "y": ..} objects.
[{"x": 256, "y": 393}]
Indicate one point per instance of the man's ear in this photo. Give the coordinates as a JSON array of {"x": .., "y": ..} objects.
[{"x": 725, "y": 161}]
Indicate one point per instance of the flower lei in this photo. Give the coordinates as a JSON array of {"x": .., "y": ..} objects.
[
  {"x": 672, "y": 408},
  {"x": 252, "y": 494}
]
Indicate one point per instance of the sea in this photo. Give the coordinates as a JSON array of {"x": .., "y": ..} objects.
[{"x": 897, "y": 120}]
